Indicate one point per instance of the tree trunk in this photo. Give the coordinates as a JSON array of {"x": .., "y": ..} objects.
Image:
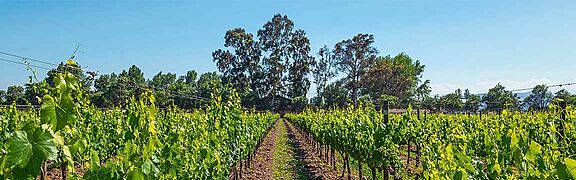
[
  {"x": 63, "y": 169},
  {"x": 359, "y": 169},
  {"x": 373, "y": 168},
  {"x": 386, "y": 173},
  {"x": 348, "y": 166},
  {"x": 240, "y": 169},
  {"x": 43, "y": 171},
  {"x": 333, "y": 160},
  {"x": 343, "y": 163},
  {"x": 355, "y": 95}
]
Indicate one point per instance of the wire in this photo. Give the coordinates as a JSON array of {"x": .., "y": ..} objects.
[
  {"x": 556, "y": 85},
  {"x": 21, "y": 63},
  {"x": 136, "y": 85},
  {"x": 49, "y": 63},
  {"x": 26, "y": 58},
  {"x": 35, "y": 60}
]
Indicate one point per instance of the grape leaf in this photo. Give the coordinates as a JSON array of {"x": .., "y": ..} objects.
[
  {"x": 571, "y": 165},
  {"x": 27, "y": 151}
]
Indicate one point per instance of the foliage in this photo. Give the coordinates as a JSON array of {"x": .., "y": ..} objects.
[
  {"x": 335, "y": 95},
  {"x": 15, "y": 94},
  {"x": 452, "y": 102},
  {"x": 354, "y": 57},
  {"x": 300, "y": 66},
  {"x": 138, "y": 142},
  {"x": 511, "y": 145},
  {"x": 499, "y": 98},
  {"x": 396, "y": 76},
  {"x": 323, "y": 71},
  {"x": 539, "y": 99}
]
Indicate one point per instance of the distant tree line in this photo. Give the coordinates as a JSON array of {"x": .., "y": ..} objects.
[
  {"x": 113, "y": 90},
  {"x": 497, "y": 98}
]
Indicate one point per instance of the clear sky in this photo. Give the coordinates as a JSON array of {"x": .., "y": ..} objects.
[{"x": 464, "y": 44}]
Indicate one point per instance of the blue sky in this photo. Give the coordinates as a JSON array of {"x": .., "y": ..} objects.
[{"x": 464, "y": 44}]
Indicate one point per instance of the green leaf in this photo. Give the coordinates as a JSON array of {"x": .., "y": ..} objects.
[
  {"x": 97, "y": 173},
  {"x": 136, "y": 174},
  {"x": 571, "y": 167},
  {"x": 27, "y": 151},
  {"x": 19, "y": 149},
  {"x": 62, "y": 119},
  {"x": 58, "y": 115},
  {"x": 67, "y": 154},
  {"x": 561, "y": 170},
  {"x": 95, "y": 160},
  {"x": 149, "y": 168},
  {"x": 534, "y": 150},
  {"x": 48, "y": 110}
]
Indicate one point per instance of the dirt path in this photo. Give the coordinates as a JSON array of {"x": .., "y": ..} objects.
[
  {"x": 313, "y": 166},
  {"x": 261, "y": 166},
  {"x": 284, "y": 154}
]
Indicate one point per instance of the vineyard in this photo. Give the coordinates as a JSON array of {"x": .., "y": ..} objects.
[
  {"x": 68, "y": 138},
  {"x": 509, "y": 145}
]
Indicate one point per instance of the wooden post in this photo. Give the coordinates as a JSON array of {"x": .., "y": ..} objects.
[
  {"x": 480, "y": 115},
  {"x": 385, "y": 108},
  {"x": 562, "y": 119},
  {"x": 359, "y": 169}
]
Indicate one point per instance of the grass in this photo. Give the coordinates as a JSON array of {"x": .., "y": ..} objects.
[{"x": 283, "y": 156}]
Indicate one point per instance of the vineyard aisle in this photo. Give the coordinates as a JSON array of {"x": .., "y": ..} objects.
[{"x": 284, "y": 154}]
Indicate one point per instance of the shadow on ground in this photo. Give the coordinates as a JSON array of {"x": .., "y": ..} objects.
[{"x": 303, "y": 168}]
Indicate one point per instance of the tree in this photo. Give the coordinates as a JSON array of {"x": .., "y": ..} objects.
[
  {"x": 422, "y": 92},
  {"x": 110, "y": 91},
  {"x": 33, "y": 91},
  {"x": 564, "y": 95},
  {"x": 248, "y": 52},
  {"x": 395, "y": 76},
  {"x": 499, "y": 98},
  {"x": 190, "y": 78},
  {"x": 431, "y": 103},
  {"x": 301, "y": 65},
  {"x": 241, "y": 66},
  {"x": 15, "y": 94},
  {"x": 186, "y": 87},
  {"x": 354, "y": 57},
  {"x": 472, "y": 101},
  {"x": 323, "y": 71},
  {"x": 207, "y": 84},
  {"x": 452, "y": 102},
  {"x": 113, "y": 90},
  {"x": 539, "y": 99},
  {"x": 299, "y": 103},
  {"x": 133, "y": 82},
  {"x": 275, "y": 38},
  {"x": 162, "y": 84},
  {"x": 335, "y": 94},
  {"x": 2, "y": 97}
]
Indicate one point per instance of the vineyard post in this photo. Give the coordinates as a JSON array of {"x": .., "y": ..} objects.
[
  {"x": 418, "y": 147},
  {"x": 385, "y": 107},
  {"x": 480, "y": 115},
  {"x": 562, "y": 119}
]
